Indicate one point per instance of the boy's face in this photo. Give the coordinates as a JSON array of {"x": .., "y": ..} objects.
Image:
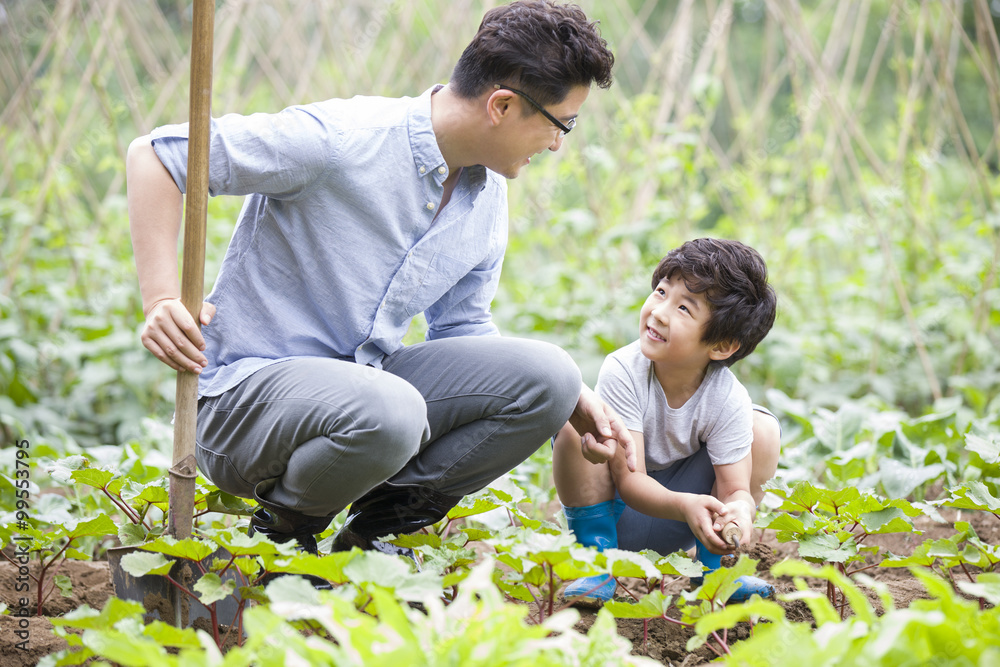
[{"x": 671, "y": 323}]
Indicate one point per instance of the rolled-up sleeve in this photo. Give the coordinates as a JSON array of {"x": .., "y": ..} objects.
[{"x": 278, "y": 155}]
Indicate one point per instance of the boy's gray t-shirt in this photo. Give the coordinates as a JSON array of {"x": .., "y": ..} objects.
[{"x": 718, "y": 415}]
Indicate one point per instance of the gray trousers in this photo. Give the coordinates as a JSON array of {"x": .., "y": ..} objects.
[{"x": 451, "y": 415}]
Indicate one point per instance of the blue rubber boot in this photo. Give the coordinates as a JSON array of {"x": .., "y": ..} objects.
[
  {"x": 748, "y": 585},
  {"x": 594, "y": 526}
]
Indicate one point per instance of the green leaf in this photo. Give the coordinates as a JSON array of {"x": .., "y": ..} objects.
[
  {"x": 973, "y": 496},
  {"x": 165, "y": 634},
  {"x": 623, "y": 563},
  {"x": 824, "y": 548},
  {"x": 330, "y": 567},
  {"x": 140, "y": 563},
  {"x": 753, "y": 610},
  {"x": 652, "y": 605},
  {"x": 187, "y": 549},
  {"x": 986, "y": 586},
  {"x": 212, "y": 588},
  {"x": 721, "y": 584},
  {"x": 64, "y": 585},
  {"x": 677, "y": 564},
  {"x": 889, "y": 520},
  {"x": 131, "y": 534},
  {"x": 85, "y": 617},
  {"x": 92, "y": 477},
  {"x": 987, "y": 448},
  {"x": 97, "y": 527}
]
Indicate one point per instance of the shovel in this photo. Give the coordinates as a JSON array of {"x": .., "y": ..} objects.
[{"x": 158, "y": 596}]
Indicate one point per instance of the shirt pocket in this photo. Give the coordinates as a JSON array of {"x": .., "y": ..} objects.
[{"x": 443, "y": 272}]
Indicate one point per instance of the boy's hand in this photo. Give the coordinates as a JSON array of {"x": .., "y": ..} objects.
[
  {"x": 171, "y": 335},
  {"x": 700, "y": 512},
  {"x": 601, "y": 430},
  {"x": 738, "y": 512}
]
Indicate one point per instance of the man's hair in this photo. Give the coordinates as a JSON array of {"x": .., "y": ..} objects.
[
  {"x": 538, "y": 46},
  {"x": 733, "y": 278}
]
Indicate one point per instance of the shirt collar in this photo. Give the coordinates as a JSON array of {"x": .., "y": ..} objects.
[{"x": 427, "y": 156}]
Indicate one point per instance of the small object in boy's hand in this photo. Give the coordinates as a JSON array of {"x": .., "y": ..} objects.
[{"x": 732, "y": 534}]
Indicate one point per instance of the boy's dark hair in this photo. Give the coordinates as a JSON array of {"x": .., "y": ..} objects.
[
  {"x": 538, "y": 46},
  {"x": 733, "y": 278}
]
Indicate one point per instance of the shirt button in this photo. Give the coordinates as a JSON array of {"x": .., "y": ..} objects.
[
  {"x": 442, "y": 170},
  {"x": 423, "y": 170},
  {"x": 430, "y": 206}
]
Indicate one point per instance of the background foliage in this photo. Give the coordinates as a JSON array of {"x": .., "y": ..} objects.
[{"x": 853, "y": 143}]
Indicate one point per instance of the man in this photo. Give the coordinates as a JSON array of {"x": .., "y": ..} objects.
[{"x": 361, "y": 214}]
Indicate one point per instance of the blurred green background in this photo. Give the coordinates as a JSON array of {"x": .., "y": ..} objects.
[{"x": 853, "y": 143}]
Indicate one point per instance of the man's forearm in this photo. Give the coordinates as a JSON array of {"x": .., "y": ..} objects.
[{"x": 154, "y": 210}]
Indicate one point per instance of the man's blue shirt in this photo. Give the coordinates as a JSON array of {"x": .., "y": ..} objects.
[{"x": 337, "y": 247}]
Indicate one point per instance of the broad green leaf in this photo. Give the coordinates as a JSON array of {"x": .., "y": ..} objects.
[
  {"x": 330, "y": 567},
  {"x": 224, "y": 503},
  {"x": 476, "y": 534},
  {"x": 188, "y": 549},
  {"x": 238, "y": 543},
  {"x": 131, "y": 534},
  {"x": 677, "y": 564},
  {"x": 988, "y": 448},
  {"x": 84, "y": 616},
  {"x": 834, "y": 501},
  {"x": 212, "y": 588},
  {"x": 889, "y": 520},
  {"x": 900, "y": 480},
  {"x": 417, "y": 540},
  {"x": 652, "y": 605},
  {"x": 75, "y": 554},
  {"x": 721, "y": 584},
  {"x": 98, "y": 526},
  {"x": 92, "y": 477},
  {"x": 64, "y": 585},
  {"x": 986, "y": 586},
  {"x": 728, "y": 617},
  {"x": 165, "y": 634},
  {"x": 623, "y": 563},
  {"x": 973, "y": 496},
  {"x": 827, "y": 548},
  {"x": 479, "y": 506},
  {"x": 126, "y": 649},
  {"x": 140, "y": 563}
]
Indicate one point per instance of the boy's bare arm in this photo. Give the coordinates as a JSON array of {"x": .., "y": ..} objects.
[
  {"x": 646, "y": 495},
  {"x": 154, "y": 209},
  {"x": 732, "y": 485},
  {"x": 602, "y": 431}
]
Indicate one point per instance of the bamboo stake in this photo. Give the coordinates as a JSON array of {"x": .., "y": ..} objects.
[{"x": 184, "y": 469}]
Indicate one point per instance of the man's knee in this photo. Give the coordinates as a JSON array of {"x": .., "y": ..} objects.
[
  {"x": 397, "y": 414},
  {"x": 555, "y": 370}
]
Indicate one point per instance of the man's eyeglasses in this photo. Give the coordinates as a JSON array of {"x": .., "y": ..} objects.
[{"x": 564, "y": 128}]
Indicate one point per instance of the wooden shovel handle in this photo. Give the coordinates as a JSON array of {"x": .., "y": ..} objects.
[
  {"x": 184, "y": 469},
  {"x": 732, "y": 534}
]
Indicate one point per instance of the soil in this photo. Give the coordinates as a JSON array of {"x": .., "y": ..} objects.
[
  {"x": 26, "y": 637},
  {"x": 658, "y": 639}
]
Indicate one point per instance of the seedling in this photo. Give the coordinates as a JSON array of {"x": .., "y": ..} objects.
[{"x": 832, "y": 526}]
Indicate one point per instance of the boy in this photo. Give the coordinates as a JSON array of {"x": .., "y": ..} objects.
[{"x": 702, "y": 451}]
